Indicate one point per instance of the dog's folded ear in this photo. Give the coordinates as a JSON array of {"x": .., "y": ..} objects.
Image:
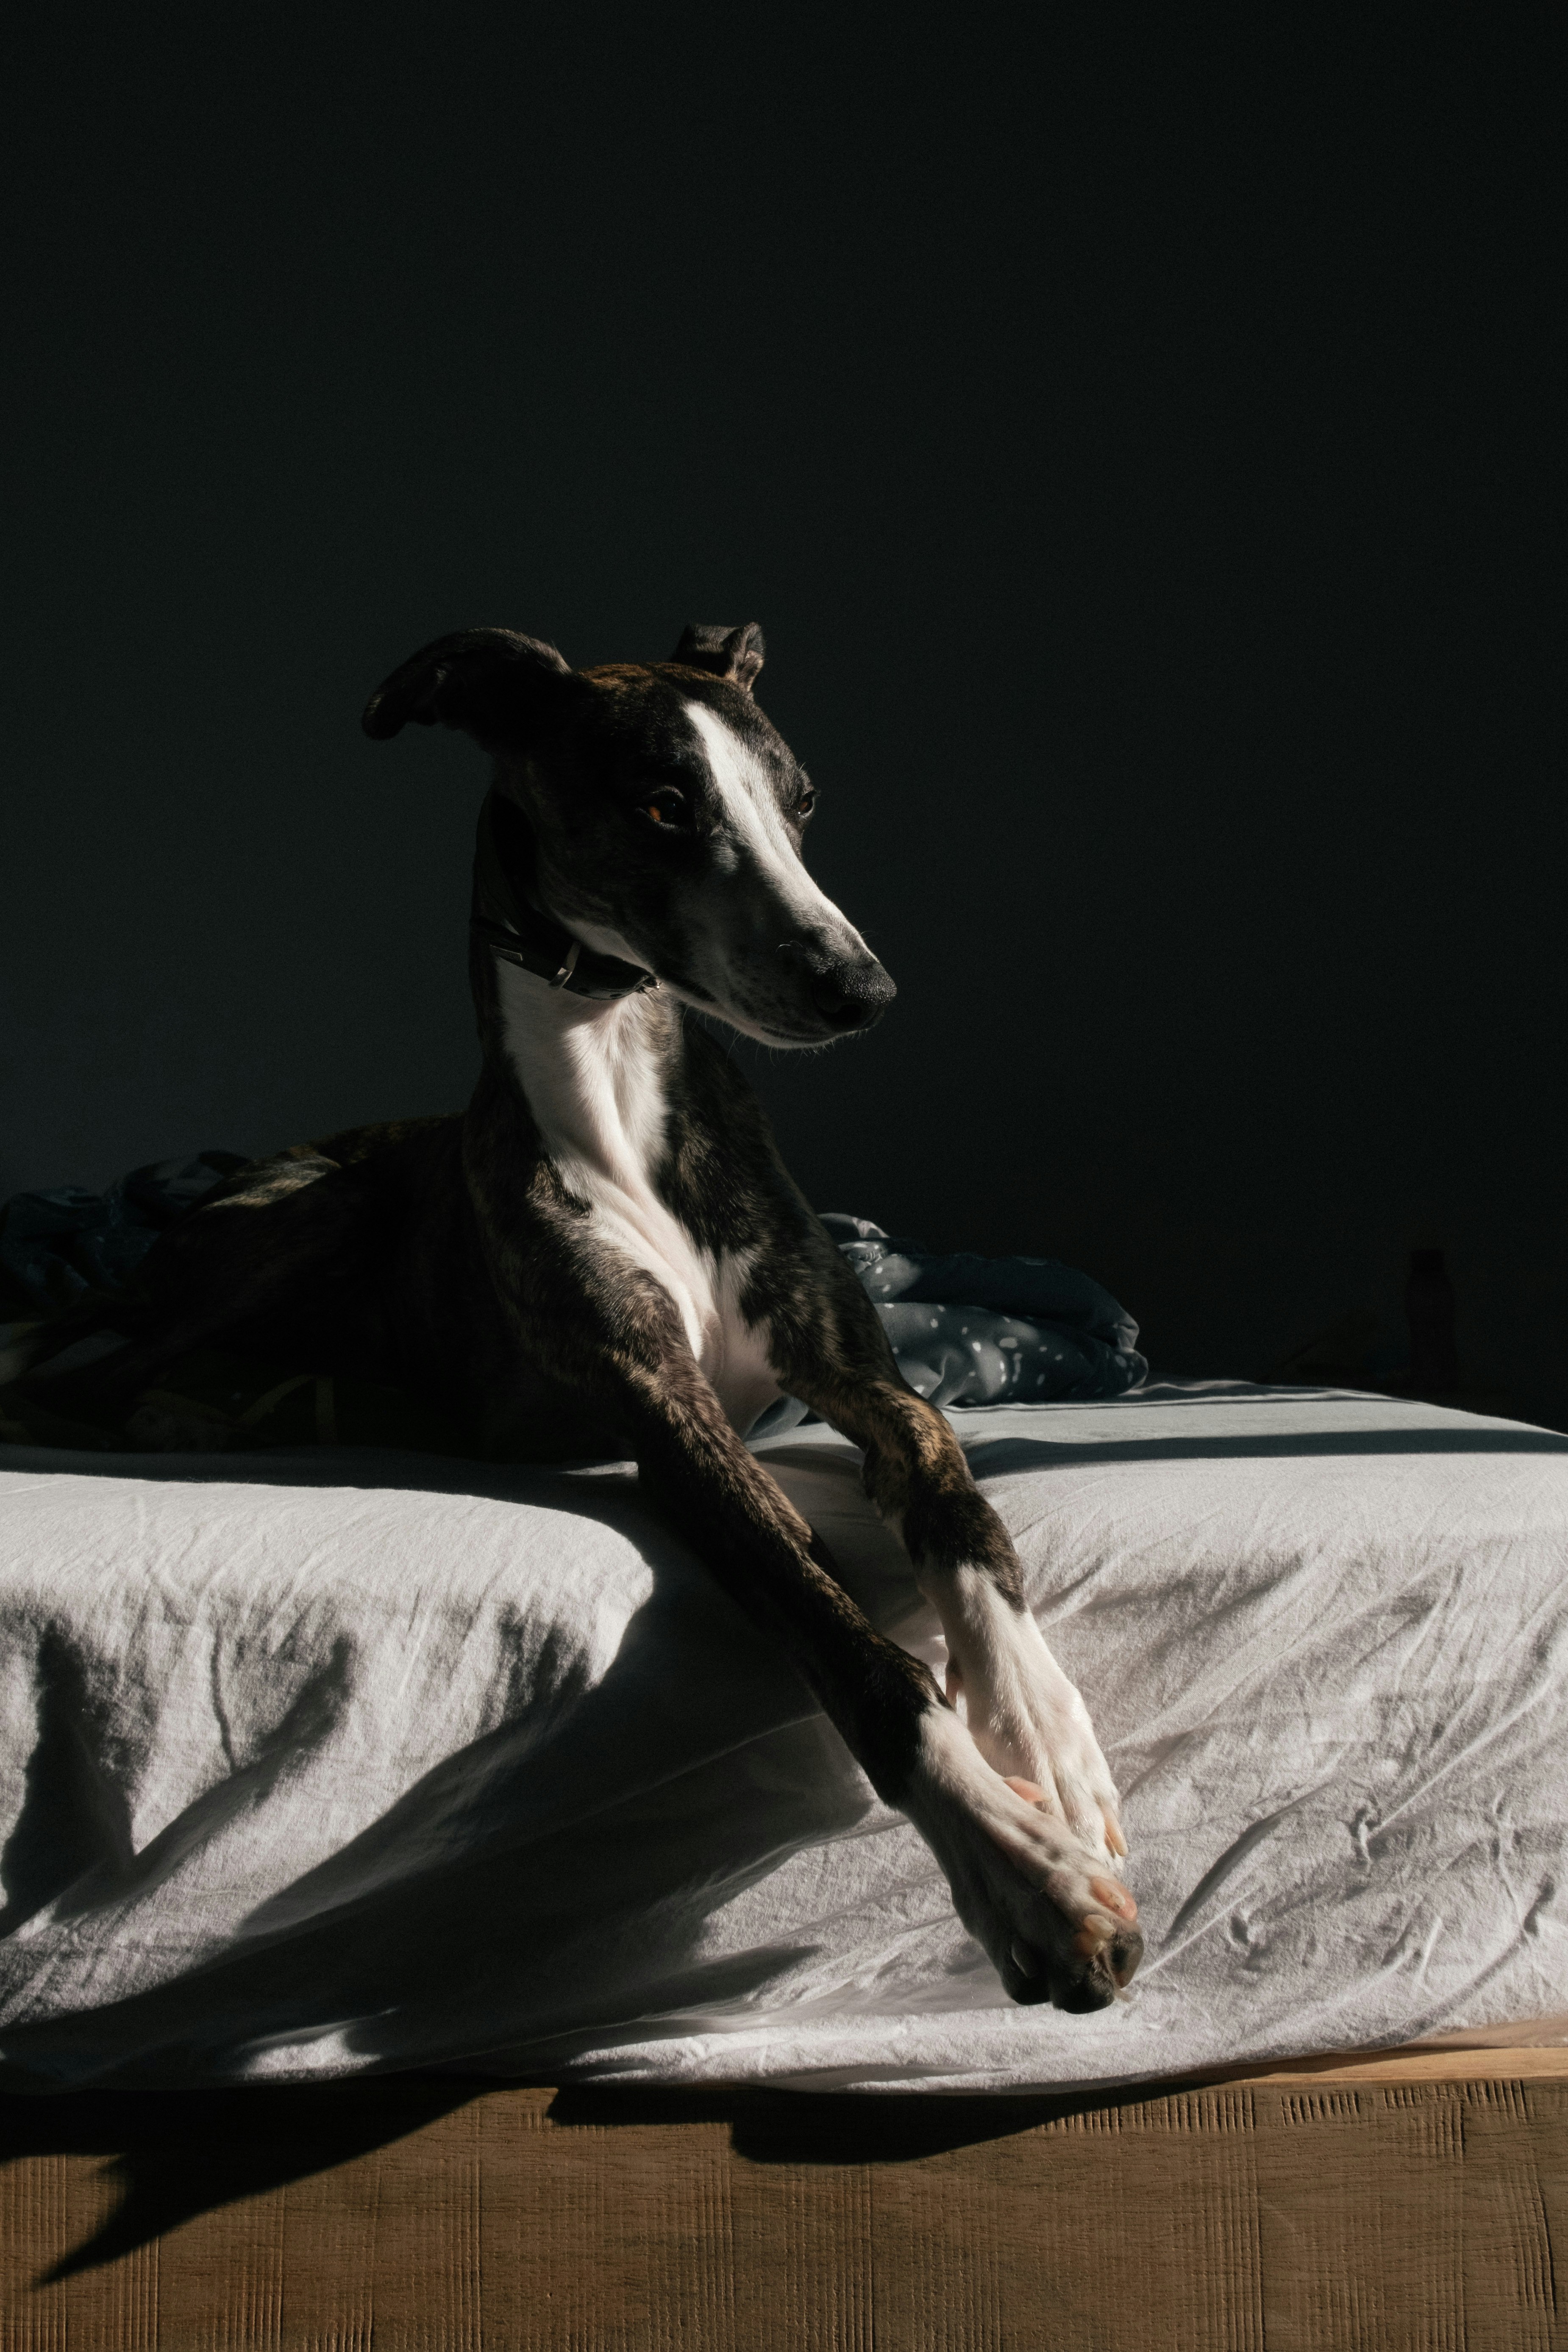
[
  {"x": 733, "y": 654},
  {"x": 489, "y": 682}
]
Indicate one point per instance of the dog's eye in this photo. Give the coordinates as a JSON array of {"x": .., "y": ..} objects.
[
  {"x": 807, "y": 802},
  {"x": 666, "y": 807}
]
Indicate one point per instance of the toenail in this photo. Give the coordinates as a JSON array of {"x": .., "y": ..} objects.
[
  {"x": 1094, "y": 1932},
  {"x": 1026, "y": 1960},
  {"x": 1030, "y": 1790},
  {"x": 1115, "y": 1898}
]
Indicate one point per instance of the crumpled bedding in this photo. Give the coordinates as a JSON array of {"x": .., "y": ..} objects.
[
  {"x": 343, "y": 1761},
  {"x": 987, "y": 1330},
  {"x": 57, "y": 1247}
]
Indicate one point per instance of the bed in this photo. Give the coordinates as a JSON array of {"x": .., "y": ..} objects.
[{"x": 369, "y": 1781}]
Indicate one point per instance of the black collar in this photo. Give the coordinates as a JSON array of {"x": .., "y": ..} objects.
[{"x": 518, "y": 931}]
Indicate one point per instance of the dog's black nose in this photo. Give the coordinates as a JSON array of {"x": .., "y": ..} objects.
[{"x": 852, "y": 995}]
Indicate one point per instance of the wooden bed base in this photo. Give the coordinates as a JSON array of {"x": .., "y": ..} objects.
[{"x": 1387, "y": 2201}]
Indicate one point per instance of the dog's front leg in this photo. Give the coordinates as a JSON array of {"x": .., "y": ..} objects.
[
  {"x": 1053, "y": 1920},
  {"x": 751, "y": 1537},
  {"x": 1053, "y": 1923},
  {"x": 1030, "y": 1776},
  {"x": 1027, "y": 1717}
]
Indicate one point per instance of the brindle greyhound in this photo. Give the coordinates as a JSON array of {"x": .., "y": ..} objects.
[{"x": 605, "y": 1253}]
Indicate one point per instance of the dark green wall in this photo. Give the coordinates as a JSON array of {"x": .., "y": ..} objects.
[{"x": 1137, "y": 456}]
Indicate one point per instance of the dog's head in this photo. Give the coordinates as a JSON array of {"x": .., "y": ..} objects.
[{"x": 665, "y": 819}]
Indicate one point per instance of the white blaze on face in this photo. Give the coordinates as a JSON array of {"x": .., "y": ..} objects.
[{"x": 760, "y": 837}]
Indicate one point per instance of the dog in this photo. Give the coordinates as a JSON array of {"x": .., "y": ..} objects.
[{"x": 605, "y": 1253}]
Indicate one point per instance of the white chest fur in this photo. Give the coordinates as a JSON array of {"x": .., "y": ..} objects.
[{"x": 593, "y": 1080}]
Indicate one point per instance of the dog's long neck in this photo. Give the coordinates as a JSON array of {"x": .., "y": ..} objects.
[
  {"x": 598, "y": 1080},
  {"x": 596, "y": 1077}
]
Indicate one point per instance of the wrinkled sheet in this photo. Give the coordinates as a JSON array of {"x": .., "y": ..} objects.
[{"x": 316, "y": 1764}]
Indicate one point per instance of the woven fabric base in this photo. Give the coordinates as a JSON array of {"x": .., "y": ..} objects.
[{"x": 1402, "y": 2201}]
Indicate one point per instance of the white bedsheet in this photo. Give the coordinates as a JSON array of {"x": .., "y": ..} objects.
[{"x": 316, "y": 1764}]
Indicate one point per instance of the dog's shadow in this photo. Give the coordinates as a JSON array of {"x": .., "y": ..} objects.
[{"x": 173, "y": 2156}]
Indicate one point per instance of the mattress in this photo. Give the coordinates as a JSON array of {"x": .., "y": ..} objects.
[{"x": 329, "y": 1764}]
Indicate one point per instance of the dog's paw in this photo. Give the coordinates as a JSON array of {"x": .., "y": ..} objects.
[
  {"x": 1055, "y": 1921},
  {"x": 1028, "y": 1719}
]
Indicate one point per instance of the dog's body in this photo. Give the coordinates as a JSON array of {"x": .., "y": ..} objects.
[{"x": 605, "y": 1253}]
